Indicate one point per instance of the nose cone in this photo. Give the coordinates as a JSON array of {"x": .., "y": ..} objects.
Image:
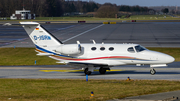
[
  {"x": 169, "y": 59},
  {"x": 164, "y": 58}
]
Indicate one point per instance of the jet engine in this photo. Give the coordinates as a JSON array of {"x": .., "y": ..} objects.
[{"x": 69, "y": 49}]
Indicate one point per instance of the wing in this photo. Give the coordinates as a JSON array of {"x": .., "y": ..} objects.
[{"x": 80, "y": 64}]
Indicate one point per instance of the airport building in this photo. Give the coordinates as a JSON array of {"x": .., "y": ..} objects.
[{"x": 22, "y": 14}]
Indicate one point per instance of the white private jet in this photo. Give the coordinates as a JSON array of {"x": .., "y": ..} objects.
[{"x": 90, "y": 56}]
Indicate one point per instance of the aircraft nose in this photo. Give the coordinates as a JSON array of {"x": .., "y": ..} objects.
[{"x": 169, "y": 59}]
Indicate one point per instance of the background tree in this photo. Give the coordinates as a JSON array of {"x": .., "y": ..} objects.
[
  {"x": 107, "y": 11},
  {"x": 56, "y": 8},
  {"x": 137, "y": 8},
  {"x": 90, "y": 7},
  {"x": 165, "y": 10}
]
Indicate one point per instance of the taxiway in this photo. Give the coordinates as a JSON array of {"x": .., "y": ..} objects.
[
  {"x": 148, "y": 34},
  {"x": 172, "y": 72}
]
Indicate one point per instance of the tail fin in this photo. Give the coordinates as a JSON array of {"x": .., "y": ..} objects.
[{"x": 39, "y": 35}]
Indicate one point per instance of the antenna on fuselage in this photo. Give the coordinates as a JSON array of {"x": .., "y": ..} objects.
[
  {"x": 23, "y": 5},
  {"x": 78, "y": 42},
  {"x": 93, "y": 41}
]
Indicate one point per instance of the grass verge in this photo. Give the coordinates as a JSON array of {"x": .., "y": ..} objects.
[
  {"x": 27, "y": 56},
  {"x": 133, "y": 17},
  {"x": 23, "y": 56},
  {"x": 80, "y": 90}
]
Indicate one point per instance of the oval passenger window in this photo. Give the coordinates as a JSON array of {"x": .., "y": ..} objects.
[
  {"x": 102, "y": 48},
  {"x": 93, "y": 48},
  {"x": 111, "y": 48}
]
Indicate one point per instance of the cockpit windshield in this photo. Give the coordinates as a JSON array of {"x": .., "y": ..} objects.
[{"x": 139, "y": 48}]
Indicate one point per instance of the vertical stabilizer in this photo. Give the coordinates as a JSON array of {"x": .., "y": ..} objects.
[{"x": 39, "y": 35}]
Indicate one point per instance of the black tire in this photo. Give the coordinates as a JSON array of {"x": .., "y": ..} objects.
[
  {"x": 102, "y": 70},
  {"x": 153, "y": 72},
  {"x": 87, "y": 72}
]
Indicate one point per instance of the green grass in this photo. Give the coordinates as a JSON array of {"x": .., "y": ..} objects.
[
  {"x": 27, "y": 56},
  {"x": 133, "y": 17},
  {"x": 80, "y": 90},
  {"x": 153, "y": 17},
  {"x": 23, "y": 56}
]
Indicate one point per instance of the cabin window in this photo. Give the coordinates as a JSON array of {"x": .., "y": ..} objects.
[
  {"x": 102, "y": 48},
  {"x": 139, "y": 48},
  {"x": 93, "y": 48},
  {"x": 111, "y": 48},
  {"x": 131, "y": 49}
]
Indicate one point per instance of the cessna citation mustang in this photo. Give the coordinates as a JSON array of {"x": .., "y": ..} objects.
[{"x": 90, "y": 56}]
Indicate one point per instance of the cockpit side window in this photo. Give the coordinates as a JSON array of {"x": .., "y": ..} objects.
[
  {"x": 131, "y": 49},
  {"x": 139, "y": 48}
]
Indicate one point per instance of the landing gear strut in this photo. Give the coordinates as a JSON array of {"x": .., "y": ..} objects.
[
  {"x": 87, "y": 72},
  {"x": 152, "y": 71},
  {"x": 102, "y": 70}
]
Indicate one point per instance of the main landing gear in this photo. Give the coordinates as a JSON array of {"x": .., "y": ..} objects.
[
  {"x": 153, "y": 71},
  {"x": 102, "y": 70},
  {"x": 89, "y": 70}
]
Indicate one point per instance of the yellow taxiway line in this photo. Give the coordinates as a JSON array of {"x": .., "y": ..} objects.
[{"x": 75, "y": 70}]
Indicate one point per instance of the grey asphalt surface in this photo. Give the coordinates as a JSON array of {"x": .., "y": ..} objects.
[{"x": 148, "y": 34}]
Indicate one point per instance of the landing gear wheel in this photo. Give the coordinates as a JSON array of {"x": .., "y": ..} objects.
[
  {"x": 87, "y": 72},
  {"x": 152, "y": 71},
  {"x": 102, "y": 70}
]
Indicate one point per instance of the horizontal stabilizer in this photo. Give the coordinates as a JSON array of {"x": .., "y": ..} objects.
[
  {"x": 29, "y": 23},
  {"x": 7, "y": 24},
  {"x": 44, "y": 54},
  {"x": 22, "y": 23},
  {"x": 62, "y": 62}
]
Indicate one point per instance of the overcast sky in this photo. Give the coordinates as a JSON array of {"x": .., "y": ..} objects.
[{"x": 141, "y": 2}]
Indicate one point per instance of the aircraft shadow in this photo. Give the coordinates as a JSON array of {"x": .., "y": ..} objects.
[{"x": 129, "y": 72}]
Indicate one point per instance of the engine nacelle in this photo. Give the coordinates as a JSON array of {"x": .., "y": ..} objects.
[{"x": 69, "y": 49}]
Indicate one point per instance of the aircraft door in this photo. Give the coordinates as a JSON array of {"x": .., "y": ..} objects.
[{"x": 132, "y": 52}]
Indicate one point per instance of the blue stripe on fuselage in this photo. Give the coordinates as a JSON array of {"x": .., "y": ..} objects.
[{"x": 42, "y": 49}]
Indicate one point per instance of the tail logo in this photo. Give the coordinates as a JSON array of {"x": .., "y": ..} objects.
[{"x": 42, "y": 37}]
